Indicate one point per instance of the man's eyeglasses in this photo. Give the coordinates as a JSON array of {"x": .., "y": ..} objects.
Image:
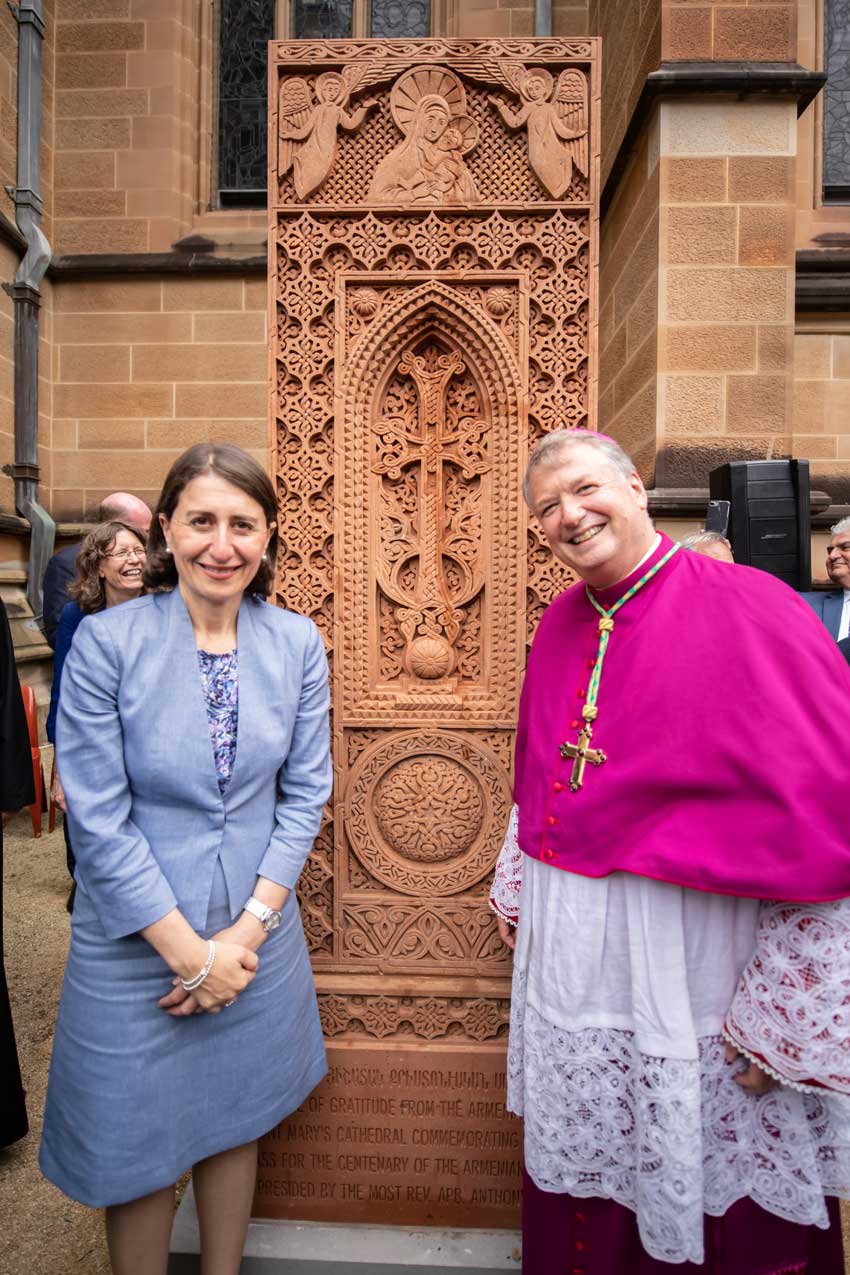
[{"x": 123, "y": 554}]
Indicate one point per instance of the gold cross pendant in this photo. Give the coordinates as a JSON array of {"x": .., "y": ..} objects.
[{"x": 581, "y": 753}]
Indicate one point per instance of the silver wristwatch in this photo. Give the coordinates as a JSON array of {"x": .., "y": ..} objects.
[{"x": 269, "y": 918}]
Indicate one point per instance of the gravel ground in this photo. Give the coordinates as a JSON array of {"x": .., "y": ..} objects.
[{"x": 42, "y": 1232}]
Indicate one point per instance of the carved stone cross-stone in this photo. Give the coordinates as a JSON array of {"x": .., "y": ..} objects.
[{"x": 433, "y": 239}]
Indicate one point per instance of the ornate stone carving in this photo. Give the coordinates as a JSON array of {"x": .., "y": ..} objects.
[
  {"x": 307, "y": 129},
  {"x": 554, "y": 116},
  {"x": 423, "y": 811},
  {"x": 432, "y": 315},
  {"x": 420, "y": 1018},
  {"x": 428, "y": 105}
]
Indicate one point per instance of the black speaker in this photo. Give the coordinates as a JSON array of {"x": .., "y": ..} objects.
[{"x": 769, "y": 515}]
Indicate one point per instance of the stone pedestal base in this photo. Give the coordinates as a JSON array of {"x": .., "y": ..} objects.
[{"x": 313, "y": 1248}]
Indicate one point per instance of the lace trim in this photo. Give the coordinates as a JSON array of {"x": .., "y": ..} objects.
[
  {"x": 507, "y": 878},
  {"x": 791, "y": 1012},
  {"x": 670, "y": 1139}
]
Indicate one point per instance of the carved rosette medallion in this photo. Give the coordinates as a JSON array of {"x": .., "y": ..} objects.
[{"x": 422, "y": 811}]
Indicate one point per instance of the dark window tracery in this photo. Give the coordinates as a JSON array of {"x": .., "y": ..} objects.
[
  {"x": 392, "y": 19},
  {"x": 321, "y": 19},
  {"x": 246, "y": 28},
  {"x": 836, "y": 106}
]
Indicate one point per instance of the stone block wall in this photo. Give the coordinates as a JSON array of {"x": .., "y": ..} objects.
[
  {"x": 631, "y": 48},
  {"x": 726, "y": 271},
  {"x": 143, "y": 368},
  {"x": 628, "y": 320},
  {"x": 821, "y": 410},
  {"x": 729, "y": 30},
  {"x": 516, "y": 17},
  {"x": 126, "y": 95}
]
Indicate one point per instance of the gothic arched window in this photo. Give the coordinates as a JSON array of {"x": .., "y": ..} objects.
[{"x": 245, "y": 27}]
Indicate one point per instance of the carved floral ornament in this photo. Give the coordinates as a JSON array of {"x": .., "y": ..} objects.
[
  {"x": 423, "y": 811},
  {"x": 429, "y": 107}
]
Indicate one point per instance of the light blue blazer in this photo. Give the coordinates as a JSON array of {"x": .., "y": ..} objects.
[
  {"x": 147, "y": 821},
  {"x": 827, "y": 607}
]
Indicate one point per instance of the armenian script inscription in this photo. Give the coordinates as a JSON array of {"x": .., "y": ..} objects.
[{"x": 433, "y": 247}]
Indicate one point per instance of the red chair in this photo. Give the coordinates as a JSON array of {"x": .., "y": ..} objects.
[{"x": 37, "y": 773}]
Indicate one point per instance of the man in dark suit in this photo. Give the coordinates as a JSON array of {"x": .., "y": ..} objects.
[
  {"x": 62, "y": 567},
  {"x": 834, "y": 608}
]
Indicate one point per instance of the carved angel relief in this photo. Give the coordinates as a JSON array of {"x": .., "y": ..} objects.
[
  {"x": 430, "y": 451},
  {"x": 428, "y": 104},
  {"x": 555, "y": 118},
  {"x": 307, "y": 129}
]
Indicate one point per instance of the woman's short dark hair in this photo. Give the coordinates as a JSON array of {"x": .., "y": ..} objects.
[
  {"x": 234, "y": 466},
  {"x": 88, "y": 589}
]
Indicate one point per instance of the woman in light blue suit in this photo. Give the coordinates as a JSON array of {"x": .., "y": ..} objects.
[{"x": 193, "y": 728}]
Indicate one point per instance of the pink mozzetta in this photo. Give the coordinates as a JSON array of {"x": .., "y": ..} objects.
[{"x": 723, "y": 713}]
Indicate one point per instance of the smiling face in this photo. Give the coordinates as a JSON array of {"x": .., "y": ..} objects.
[
  {"x": 217, "y": 535},
  {"x": 121, "y": 568},
  {"x": 535, "y": 88},
  {"x": 593, "y": 516},
  {"x": 838, "y": 559}
]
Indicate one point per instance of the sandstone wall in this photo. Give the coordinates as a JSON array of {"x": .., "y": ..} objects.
[{"x": 144, "y": 368}]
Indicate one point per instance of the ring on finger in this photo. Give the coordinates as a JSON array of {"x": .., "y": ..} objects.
[{"x": 227, "y": 1004}]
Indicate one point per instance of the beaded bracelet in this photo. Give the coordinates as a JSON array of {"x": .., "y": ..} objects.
[{"x": 189, "y": 984}]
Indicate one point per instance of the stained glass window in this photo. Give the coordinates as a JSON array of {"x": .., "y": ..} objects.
[
  {"x": 836, "y": 107},
  {"x": 321, "y": 19},
  {"x": 395, "y": 18},
  {"x": 246, "y": 28}
]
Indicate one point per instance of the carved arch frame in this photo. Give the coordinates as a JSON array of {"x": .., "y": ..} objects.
[{"x": 368, "y": 365}]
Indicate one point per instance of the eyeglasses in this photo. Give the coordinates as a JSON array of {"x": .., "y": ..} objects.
[{"x": 123, "y": 554}]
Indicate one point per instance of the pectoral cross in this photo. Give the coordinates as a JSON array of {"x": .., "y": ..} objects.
[{"x": 581, "y": 754}]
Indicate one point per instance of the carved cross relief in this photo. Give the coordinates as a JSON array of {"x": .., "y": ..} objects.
[{"x": 428, "y": 456}]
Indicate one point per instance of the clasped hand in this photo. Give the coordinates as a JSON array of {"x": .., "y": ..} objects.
[{"x": 233, "y": 969}]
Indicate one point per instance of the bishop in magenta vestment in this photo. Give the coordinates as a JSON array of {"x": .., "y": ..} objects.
[{"x": 684, "y": 904}]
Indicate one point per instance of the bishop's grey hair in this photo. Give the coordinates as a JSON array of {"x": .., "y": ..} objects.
[
  {"x": 704, "y": 538},
  {"x": 551, "y": 445},
  {"x": 840, "y": 527}
]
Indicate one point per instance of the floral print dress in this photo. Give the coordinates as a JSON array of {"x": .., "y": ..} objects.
[{"x": 220, "y": 680}]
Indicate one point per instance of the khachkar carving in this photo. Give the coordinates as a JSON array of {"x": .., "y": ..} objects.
[
  {"x": 307, "y": 129},
  {"x": 555, "y": 118},
  {"x": 423, "y": 811},
  {"x": 431, "y": 451},
  {"x": 428, "y": 105},
  {"x": 414, "y": 1018},
  {"x": 432, "y": 240}
]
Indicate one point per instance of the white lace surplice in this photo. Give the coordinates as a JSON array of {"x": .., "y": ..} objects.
[{"x": 616, "y": 1060}]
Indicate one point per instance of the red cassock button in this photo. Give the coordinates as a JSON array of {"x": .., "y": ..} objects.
[
  {"x": 558, "y": 786},
  {"x": 551, "y": 820},
  {"x": 579, "y": 1246},
  {"x": 591, "y": 663},
  {"x": 581, "y": 1217},
  {"x": 581, "y": 692},
  {"x": 575, "y": 723},
  {"x": 548, "y": 853}
]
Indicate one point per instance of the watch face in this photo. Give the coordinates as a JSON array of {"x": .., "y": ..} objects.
[{"x": 271, "y": 922}]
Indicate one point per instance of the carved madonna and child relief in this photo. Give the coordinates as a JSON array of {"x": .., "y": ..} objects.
[
  {"x": 433, "y": 228},
  {"x": 429, "y": 107}
]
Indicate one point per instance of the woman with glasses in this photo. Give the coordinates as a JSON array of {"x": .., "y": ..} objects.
[{"x": 109, "y": 571}]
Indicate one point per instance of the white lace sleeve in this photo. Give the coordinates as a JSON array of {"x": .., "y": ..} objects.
[
  {"x": 791, "y": 1012},
  {"x": 507, "y": 879}
]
